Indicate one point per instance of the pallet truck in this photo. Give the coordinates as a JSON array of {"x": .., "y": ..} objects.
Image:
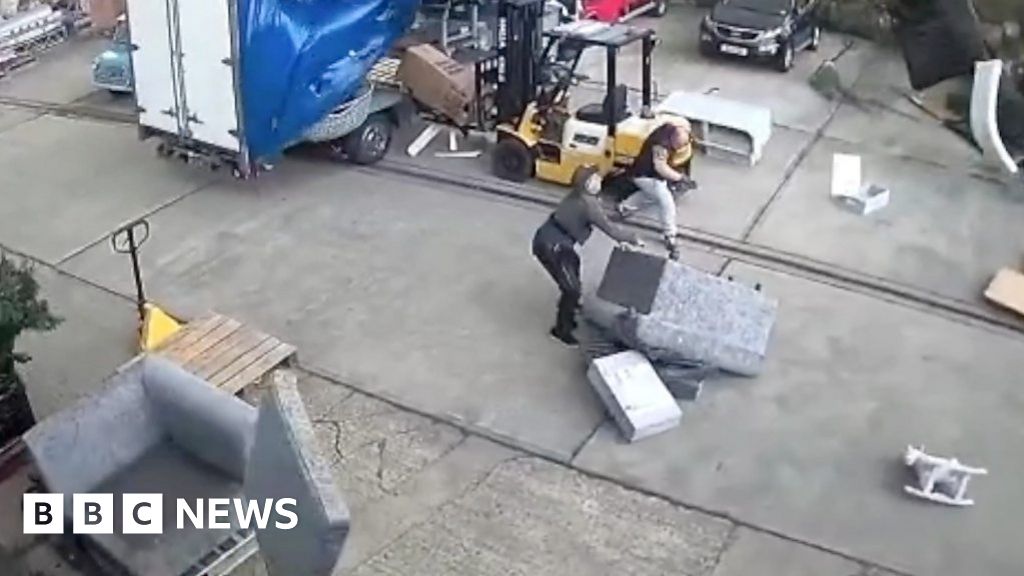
[{"x": 155, "y": 325}]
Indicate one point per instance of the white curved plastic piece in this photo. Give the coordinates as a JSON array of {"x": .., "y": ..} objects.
[{"x": 984, "y": 125}]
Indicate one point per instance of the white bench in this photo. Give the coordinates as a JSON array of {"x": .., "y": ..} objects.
[{"x": 718, "y": 121}]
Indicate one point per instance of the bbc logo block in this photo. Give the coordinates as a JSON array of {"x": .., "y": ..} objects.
[
  {"x": 93, "y": 514},
  {"x": 43, "y": 514},
  {"x": 144, "y": 513}
]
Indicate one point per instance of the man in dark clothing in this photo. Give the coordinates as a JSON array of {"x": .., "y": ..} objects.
[
  {"x": 554, "y": 245},
  {"x": 652, "y": 173}
]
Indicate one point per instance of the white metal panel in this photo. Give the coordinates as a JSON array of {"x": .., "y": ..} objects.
[
  {"x": 151, "y": 64},
  {"x": 984, "y": 108},
  {"x": 206, "y": 46}
]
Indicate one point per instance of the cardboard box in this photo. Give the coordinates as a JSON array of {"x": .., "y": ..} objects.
[
  {"x": 634, "y": 395},
  {"x": 438, "y": 82},
  {"x": 1007, "y": 290}
]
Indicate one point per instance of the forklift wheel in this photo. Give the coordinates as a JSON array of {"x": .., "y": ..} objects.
[
  {"x": 370, "y": 142},
  {"x": 512, "y": 161},
  {"x": 660, "y": 8}
]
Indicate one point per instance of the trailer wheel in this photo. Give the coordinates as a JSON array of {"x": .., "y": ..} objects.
[
  {"x": 370, "y": 142},
  {"x": 512, "y": 160},
  {"x": 660, "y": 8}
]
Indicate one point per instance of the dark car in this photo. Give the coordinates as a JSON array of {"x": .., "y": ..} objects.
[{"x": 771, "y": 30}]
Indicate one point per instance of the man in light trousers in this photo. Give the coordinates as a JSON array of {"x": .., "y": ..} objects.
[{"x": 652, "y": 174}]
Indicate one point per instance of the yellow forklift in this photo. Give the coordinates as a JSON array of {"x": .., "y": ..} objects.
[{"x": 538, "y": 134}]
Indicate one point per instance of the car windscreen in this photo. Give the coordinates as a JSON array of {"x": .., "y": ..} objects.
[{"x": 763, "y": 6}]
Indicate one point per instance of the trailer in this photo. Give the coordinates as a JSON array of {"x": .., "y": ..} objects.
[{"x": 233, "y": 83}]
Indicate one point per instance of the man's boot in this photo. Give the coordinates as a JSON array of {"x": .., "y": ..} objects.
[{"x": 672, "y": 245}]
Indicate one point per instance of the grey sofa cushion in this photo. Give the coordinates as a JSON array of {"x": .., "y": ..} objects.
[
  {"x": 210, "y": 424},
  {"x": 169, "y": 470},
  {"x": 80, "y": 447},
  {"x": 285, "y": 463}
]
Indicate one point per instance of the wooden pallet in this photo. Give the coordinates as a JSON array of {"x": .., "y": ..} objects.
[{"x": 225, "y": 352}]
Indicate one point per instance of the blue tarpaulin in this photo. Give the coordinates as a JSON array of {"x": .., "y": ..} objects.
[{"x": 300, "y": 59}]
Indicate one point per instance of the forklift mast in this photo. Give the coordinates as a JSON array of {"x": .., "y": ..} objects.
[{"x": 519, "y": 40}]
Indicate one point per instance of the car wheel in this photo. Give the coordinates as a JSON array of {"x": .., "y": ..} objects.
[
  {"x": 370, "y": 142},
  {"x": 707, "y": 49},
  {"x": 512, "y": 160},
  {"x": 784, "y": 63},
  {"x": 660, "y": 8},
  {"x": 815, "y": 39}
]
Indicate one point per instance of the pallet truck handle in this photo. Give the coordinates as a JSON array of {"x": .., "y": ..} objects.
[
  {"x": 126, "y": 240},
  {"x": 129, "y": 237}
]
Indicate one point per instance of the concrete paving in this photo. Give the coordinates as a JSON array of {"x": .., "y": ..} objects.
[
  {"x": 10, "y": 117},
  {"x": 60, "y": 75},
  {"x": 68, "y": 183},
  {"x": 98, "y": 334},
  {"x": 811, "y": 448},
  {"x": 944, "y": 231}
]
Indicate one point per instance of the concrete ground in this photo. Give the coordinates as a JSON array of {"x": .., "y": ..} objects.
[{"x": 468, "y": 443}]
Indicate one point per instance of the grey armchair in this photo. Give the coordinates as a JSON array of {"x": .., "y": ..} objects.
[{"x": 158, "y": 429}]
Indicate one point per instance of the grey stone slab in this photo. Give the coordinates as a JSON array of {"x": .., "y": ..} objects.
[
  {"x": 692, "y": 315},
  {"x": 529, "y": 517},
  {"x": 812, "y": 447},
  {"x": 943, "y": 231},
  {"x": 426, "y": 295},
  {"x": 59, "y": 75},
  {"x": 757, "y": 553},
  {"x": 68, "y": 183},
  {"x": 99, "y": 333}
]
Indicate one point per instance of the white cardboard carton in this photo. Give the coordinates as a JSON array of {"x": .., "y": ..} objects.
[{"x": 634, "y": 395}]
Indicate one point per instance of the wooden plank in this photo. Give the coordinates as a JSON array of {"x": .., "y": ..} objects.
[
  {"x": 228, "y": 372},
  {"x": 191, "y": 332},
  {"x": 183, "y": 355},
  {"x": 251, "y": 340},
  {"x": 235, "y": 339},
  {"x": 1007, "y": 289},
  {"x": 257, "y": 369}
]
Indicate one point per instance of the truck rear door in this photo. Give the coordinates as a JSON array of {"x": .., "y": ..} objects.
[{"x": 183, "y": 64}]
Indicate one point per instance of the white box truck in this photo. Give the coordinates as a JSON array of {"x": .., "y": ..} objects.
[{"x": 235, "y": 82}]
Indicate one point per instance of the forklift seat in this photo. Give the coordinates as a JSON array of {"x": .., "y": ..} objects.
[{"x": 597, "y": 113}]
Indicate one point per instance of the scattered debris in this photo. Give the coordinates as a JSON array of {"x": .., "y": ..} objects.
[
  {"x": 683, "y": 379},
  {"x": 941, "y": 480},
  {"x": 634, "y": 395},
  {"x": 1007, "y": 290},
  {"x": 848, "y": 188}
]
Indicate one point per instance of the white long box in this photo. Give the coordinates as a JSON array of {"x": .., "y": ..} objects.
[{"x": 634, "y": 395}]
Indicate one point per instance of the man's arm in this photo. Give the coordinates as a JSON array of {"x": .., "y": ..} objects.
[
  {"x": 598, "y": 218},
  {"x": 662, "y": 167}
]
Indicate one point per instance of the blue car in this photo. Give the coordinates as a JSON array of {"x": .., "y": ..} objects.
[{"x": 112, "y": 69}]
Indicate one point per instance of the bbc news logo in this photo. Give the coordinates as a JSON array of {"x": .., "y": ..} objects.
[{"x": 144, "y": 513}]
